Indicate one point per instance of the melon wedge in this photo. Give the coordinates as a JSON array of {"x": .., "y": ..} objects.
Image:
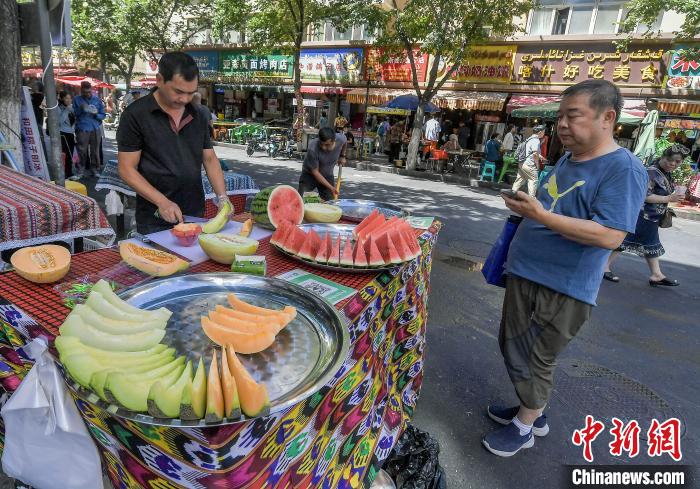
[
  {"x": 379, "y": 220},
  {"x": 311, "y": 245},
  {"x": 244, "y": 342},
  {"x": 324, "y": 250},
  {"x": 374, "y": 257},
  {"x": 412, "y": 243},
  {"x": 279, "y": 320},
  {"x": 246, "y": 229},
  {"x": 389, "y": 252},
  {"x": 151, "y": 262},
  {"x": 82, "y": 366},
  {"x": 194, "y": 395},
  {"x": 114, "y": 326},
  {"x": 334, "y": 256},
  {"x": 240, "y": 305},
  {"x": 392, "y": 222},
  {"x": 359, "y": 257},
  {"x": 232, "y": 405},
  {"x": 131, "y": 390},
  {"x": 70, "y": 344},
  {"x": 401, "y": 246},
  {"x": 244, "y": 326},
  {"x": 215, "y": 396},
  {"x": 346, "y": 258},
  {"x": 165, "y": 402},
  {"x": 101, "y": 306},
  {"x": 91, "y": 336},
  {"x": 280, "y": 234},
  {"x": 366, "y": 221},
  {"x": 98, "y": 379},
  {"x": 110, "y": 296},
  {"x": 254, "y": 398}
]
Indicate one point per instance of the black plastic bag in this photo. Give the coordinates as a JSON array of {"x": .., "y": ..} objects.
[{"x": 414, "y": 461}]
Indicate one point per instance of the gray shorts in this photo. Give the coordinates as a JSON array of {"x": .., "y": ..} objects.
[{"x": 536, "y": 325}]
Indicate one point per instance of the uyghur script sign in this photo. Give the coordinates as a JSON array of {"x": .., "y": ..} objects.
[{"x": 565, "y": 66}]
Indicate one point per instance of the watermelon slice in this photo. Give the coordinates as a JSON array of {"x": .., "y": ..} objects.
[
  {"x": 324, "y": 250},
  {"x": 334, "y": 252},
  {"x": 389, "y": 224},
  {"x": 274, "y": 205},
  {"x": 402, "y": 248},
  {"x": 280, "y": 234},
  {"x": 412, "y": 242},
  {"x": 366, "y": 221},
  {"x": 311, "y": 245},
  {"x": 374, "y": 257},
  {"x": 376, "y": 223},
  {"x": 359, "y": 256},
  {"x": 388, "y": 250},
  {"x": 295, "y": 240},
  {"x": 346, "y": 258}
]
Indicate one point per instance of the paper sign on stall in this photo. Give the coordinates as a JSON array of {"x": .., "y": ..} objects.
[
  {"x": 327, "y": 289},
  {"x": 418, "y": 222}
]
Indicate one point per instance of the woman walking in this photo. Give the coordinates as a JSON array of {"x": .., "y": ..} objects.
[
  {"x": 645, "y": 241},
  {"x": 66, "y": 120}
]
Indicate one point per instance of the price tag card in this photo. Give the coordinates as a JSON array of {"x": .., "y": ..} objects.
[{"x": 329, "y": 290}]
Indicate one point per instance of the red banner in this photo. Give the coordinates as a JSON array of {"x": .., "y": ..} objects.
[{"x": 396, "y": 68}]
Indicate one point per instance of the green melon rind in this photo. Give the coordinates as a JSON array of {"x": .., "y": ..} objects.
[
  {"x": 218, "y": 222},
  {"x": 259, "y": 208},
  {"x": 131, "y": 390},
  {"x": 165, "y": 402},
  {"x": 194, "y": 396}
]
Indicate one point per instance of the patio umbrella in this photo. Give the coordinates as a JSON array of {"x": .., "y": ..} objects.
[
  {"x": 551, "y": 109},
  {"x": 645, "y": 141},
  {"x": 77, "y": 80},
  {"x": 410, "y": 102}
]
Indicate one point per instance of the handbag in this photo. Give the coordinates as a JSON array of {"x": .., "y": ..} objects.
[
  {"x": 494, "y": 270},
  {"x": 666, "y": 220}
]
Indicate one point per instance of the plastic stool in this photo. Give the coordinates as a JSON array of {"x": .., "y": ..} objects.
[{"x": 489, "y": 171}]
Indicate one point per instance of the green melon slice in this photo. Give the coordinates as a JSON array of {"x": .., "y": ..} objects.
[
  {"x": 102, "y": 306},
  {"x": 75, "y": 326},
  {"x": 110, "y": 296},
  {"x": 113, "y": 326},
  {"x": 322, "y": 213},
  {"x": 70, "y": 344},
  {"x": 194, "y": 396},
  {"x": 218, "y": 222},
  {"x": 131, "y": 390},
  {"x": 165, "y": 402},
  {"x": 223, "y": 248},
  {"x": 82, "y": 366}
]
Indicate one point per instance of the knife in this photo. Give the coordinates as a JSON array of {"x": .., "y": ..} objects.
[
  {"x": 146, "y": 240},
  {"x": 337, "y": 185}
]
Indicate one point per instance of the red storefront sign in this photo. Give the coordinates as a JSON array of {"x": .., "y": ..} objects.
[{"x": 396, "y": 68}]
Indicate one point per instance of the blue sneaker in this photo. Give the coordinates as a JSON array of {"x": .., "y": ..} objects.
[
  {"x": 507, "y": 441},
  {"x": 504, "y": 415}
]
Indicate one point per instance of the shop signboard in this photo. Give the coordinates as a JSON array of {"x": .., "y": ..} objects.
[
  {"x": 331, "y": 65},
  {"x": 396, "y": 68},
  {"x": 687, "y": 124},
  {"x": 565, "y": 65},
  {"x": 483, "y": 64},
  {"x": 683, "y": 73},
  {"x": 246, "y": 66},
  {"x": 207, "y": 62}
]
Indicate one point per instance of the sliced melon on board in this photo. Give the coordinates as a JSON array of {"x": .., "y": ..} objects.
[
  {"x": 254, "y": 398},
  {"x": 114, "y": 326},
  {"x": 131, "y": 390},
  {"x": 110, "y": 296},
  {"x": 244, "y": 342},
  {"x": 70, "y": 344},
  {"x": 215, "y": 395},
  {"x": 194, "y": 395},
  {"x": 75, "y": 326},
  {"x": 151, "y": 262},
  {"x": 164, "y": 402},
  {"x": 232, "y": 405}
]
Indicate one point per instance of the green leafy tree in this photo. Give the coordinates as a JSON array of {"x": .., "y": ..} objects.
[{"x": 445, "y": 29}]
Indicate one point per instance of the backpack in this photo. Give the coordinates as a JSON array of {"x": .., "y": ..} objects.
[
  {"x": 381, "y": 130},
  {"x": 521, "y": 151}
]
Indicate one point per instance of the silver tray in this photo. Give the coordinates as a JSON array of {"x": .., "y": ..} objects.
[
  {"x": 355, "y": 210},
  {"x": 304, "y": 357},
  {"x": 335, "y": 230}
]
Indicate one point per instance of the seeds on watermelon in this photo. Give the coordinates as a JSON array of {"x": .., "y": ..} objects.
[{"x": 346, "y": 259}]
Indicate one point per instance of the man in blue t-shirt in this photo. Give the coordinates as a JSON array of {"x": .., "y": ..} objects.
[
  {"x": 587, "y": 205},
  {"x": 492, "y": 151},
  {"x": 89, "y": 112}
]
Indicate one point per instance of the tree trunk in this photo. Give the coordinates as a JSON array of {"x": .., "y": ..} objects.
[
  {"x": 10, "y": 76},
  {"x": 299, "y": 123},
  {"x": 412, "y": 156}
]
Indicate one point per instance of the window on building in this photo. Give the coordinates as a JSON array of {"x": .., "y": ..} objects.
[
  {"x": 541, "y": 22},
  {"x": 580, "y": 20},
  {"x": 326, "y": 32}
]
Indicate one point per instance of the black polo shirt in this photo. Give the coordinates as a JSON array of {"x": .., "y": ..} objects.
[{"x": 171, "y": 156}]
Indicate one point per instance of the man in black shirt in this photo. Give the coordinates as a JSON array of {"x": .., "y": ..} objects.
[
  {"x": 321, "y": 157},
  {"x": 163, "y": 140}
]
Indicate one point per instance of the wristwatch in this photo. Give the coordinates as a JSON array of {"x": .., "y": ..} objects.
[{"x": 219, "y": 198}]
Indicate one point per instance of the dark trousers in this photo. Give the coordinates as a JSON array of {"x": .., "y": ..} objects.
[
  {"x": 323, "y": 192},
  {"x": 394, "y": 151},
  {"x": 89, "y": 149},
  {"x": 67, "y": 148}
]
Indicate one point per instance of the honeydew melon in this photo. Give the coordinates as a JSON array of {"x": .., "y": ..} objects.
[
  {"x": 75, "y": 326},
  {"x": 322, "y": 213},
  {"x": 100, "y": 305},
  {"x": 106, "y": 291},
  {"x": 223, "y": 248},
  {"x": 165, "y": 402},
  {"x": 98, "y": 379},
  {"x": 194, "y": 395},
  {"x": 114, "y": 326},
  {"x": 131, "y": 390},
  {"x": 82, "y": 366},
  {"x": 218, "y": 222},
  {"x": 70, "y": 344}
]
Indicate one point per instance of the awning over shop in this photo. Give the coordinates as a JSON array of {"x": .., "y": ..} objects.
[
  {"x": 679, "y": 107},
  {"x": 549, "y": 111},
  {"x": 377, "y": 96},
  {"x": 387, "y": 111},
  {"x": 256, "y": 87},
  {"x": 635, "y": 106},
  {"x": 324, "y": 90},
  {"x": 519, "y": 101},
  {"x": 145, "y": 82},
  {"x": 39, "y": 72},
  {"x": 75, "y": 81},
  {"x": 455, "y": 99}
]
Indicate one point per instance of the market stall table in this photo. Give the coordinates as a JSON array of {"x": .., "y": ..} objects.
[
  {"x": 237, "y": 185},
  {"x": 33, "y": 211},
  {"x": 337, "y": 438}
]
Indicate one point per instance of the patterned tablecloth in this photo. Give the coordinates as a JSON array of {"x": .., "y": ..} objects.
[
  {"x": 236, "y": 183},
  {"x": 33, "y": 211},
  {"x": 338, "y": 438}
]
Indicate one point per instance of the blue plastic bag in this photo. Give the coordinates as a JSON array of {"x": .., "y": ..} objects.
[{"x": 494, "y": 267}]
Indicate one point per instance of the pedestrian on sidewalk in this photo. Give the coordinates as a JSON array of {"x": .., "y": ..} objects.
[
  {"x": 645, "y": 240},
  {"x": 529, "y": 157},
  {"x": 395, "y": 140},
  {"x": 431, "y": 135},
  {"x": 89, "y": 113},
  {"x": 556, "y": 259},
  {"x": 324, "y": 152},
  {"x": 350, "y": 137},
  {"x": 66, "y": 120},
  {"x": 509, "y": 140},
  {"x": 382, "y": 132}
]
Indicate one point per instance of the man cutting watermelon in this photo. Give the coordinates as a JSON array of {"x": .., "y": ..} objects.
[{"x": 324, "y": 152}]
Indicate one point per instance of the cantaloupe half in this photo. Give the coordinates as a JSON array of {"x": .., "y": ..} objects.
[
  {"x": 165, "y": 402},
  {"x": 278, "y": 320},
  {"x": 243, "y": 342},
  {"x": 253, "y": 397},
  {"x": 70, "y": 344},
  {"x": 232, "y": 405},
  {"x": 82, "y": 366},
  {"x": 242, "y": 326},
  {"x": 215, "y": 396},
  {"x": 106, "y": 291},
  {"x": 98, "y": 379},
  {"x": 114, "y": 326},
  {"x": 75, "y": 326},
  {"x": 194, "y": 395},
  {"x": 131, "y": 390},
  {"x": 240, "y": 305}
]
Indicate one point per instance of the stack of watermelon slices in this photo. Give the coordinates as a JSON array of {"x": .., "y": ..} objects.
[{"x": 390, "y": 245}]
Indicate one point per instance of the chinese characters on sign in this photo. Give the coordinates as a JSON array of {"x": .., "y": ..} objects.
[
  {"x": 484, "y": 64},
  {"x": 683, "y": 73},
  {"x": 663, "y": 438},
  {"x": 331, "y": 65},
  {"x": 247, "y": 66},
  {"x": 396, "y": 68},
  {"x": 564, "y": 66},
  {"x": 32, "y": 149}
]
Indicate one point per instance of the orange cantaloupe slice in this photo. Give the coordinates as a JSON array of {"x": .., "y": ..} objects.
[
  {"x": 240, "y": 305},
  {"x": 240, "y": 325},
  {"x": 242, "y": 342},
  {"x": 246, "y": 229},
  {"x": 215, "y": 396},
  {"x": 254, "y": 398},
  {"x": 232, "y": 405},
  {"x": 279, "y": 320}
]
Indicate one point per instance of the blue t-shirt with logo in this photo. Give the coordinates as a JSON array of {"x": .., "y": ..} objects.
[{"x": 609, "y": 190}]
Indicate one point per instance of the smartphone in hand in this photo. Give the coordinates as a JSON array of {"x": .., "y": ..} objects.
[{"x": 511, "y": 194}]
